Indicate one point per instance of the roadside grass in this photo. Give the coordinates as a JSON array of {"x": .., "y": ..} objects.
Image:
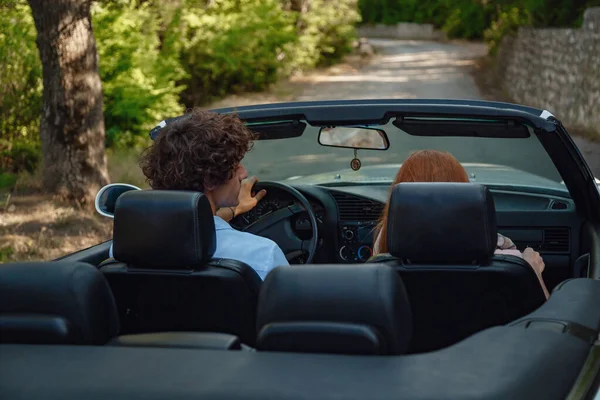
[
  {"x": 123, "y": 167},
  {"x": 35, "y": 226}
]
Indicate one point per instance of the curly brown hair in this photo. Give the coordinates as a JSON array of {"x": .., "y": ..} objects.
[{"x": 199, "y": 151}]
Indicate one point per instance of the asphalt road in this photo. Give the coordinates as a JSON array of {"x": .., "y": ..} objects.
[{"x": 402, "y": 69}]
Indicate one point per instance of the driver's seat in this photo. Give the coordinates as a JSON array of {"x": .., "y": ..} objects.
[{"x": 165, "y": 278}]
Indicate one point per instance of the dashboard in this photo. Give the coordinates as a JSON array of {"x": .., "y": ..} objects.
[{"x": 347, "y": 217}]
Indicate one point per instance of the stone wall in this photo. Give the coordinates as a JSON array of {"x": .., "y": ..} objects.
[
  {"x": 403, "y": 30},
  {"x": 557, "y": 70}
]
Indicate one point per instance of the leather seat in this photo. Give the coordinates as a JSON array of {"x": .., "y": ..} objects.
[
  {"x": 361, "y": 309},
  {"x": 441, "y": 239},
  {"x": 55, "y": 303},
  {"x": 165, "y": 279},
  {"x": 181, "y": 340}
]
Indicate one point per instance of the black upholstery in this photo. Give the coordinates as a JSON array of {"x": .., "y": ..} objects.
[
  {"x": 180, "y": 340},
  {"x": 572, "y": 308},
  {"x": 188, "y": 291},
  {"x": 55, "y": 303},
  {"x": 219, "y": 297},
  {"x": 502, "y": 363},
  {"x": 334, "y": 309},
  {"x": 163, "y": 229},
  {"x": 452, "y": 300},
  {"x": 441, "y": 223}
]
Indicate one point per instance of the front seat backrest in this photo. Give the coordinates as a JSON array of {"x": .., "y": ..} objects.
[
  {"x": 441, "y": 239},
  {"x": 361, "y": 309},
  {"x": 163, "y": 275},
  {"x": 55, "y": 303}
]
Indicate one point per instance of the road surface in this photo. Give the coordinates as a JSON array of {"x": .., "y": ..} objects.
[{"x": 401, "y": 69}]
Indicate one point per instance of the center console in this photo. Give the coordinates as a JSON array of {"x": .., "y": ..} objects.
[{"x": 356, "y": 242}]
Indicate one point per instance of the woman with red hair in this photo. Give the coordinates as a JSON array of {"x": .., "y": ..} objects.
[{"x": 437, "y": 166}]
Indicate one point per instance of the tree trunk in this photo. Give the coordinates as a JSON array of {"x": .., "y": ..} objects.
[
  {"x": 72, "y": 122},
  {"x": 300, "y": 6}
]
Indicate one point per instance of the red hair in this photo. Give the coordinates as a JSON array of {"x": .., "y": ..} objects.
[{"x": 422, "y": 166}]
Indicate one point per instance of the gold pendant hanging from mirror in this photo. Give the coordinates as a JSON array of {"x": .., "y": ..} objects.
[{"x": 355, "y": 163}]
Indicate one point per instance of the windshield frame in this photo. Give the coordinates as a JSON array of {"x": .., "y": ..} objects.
[{"x": 554, "y": 137}]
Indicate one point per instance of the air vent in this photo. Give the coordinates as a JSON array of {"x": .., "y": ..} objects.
[
  {"x": 556, "y": 239},
  {"x": 354, "y": 208},
  {"x": 559, "y": 205}
]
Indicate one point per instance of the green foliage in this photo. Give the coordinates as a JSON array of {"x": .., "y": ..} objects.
[
  {"x": 7, "y": 180},
  {"x": 20, "y": 87},
  {"x": 466, "y": 10},
  {"x": 325, "y": 33},
  {"x": 390, "y": 12},
  {"x": 6, "y": 254},
  {"x": 233, "y": 46},
  {"x": 510, "y": 15},
  {"x": 19, "y": 155},
  {"x": 139, "y": 77},
  {"x": 458, "y": 18},
  {"x": 475, "y": 19},
  {"x": 507, "y": 22},
  {"x": 155, "y": 57},
  {"x": 555, "y": 13}
]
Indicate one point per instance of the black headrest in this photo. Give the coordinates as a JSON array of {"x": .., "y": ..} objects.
[
  {"x": 164, "y": 229},
  {"x": 56, "y": 302},
  {"x": 335, "y": 309},
  {"x": 446, "y": 223}
]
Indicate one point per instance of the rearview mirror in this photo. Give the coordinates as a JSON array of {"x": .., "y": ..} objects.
[
  {"x": 106, "y": 199},
  {"x": 354, "y": 137}
]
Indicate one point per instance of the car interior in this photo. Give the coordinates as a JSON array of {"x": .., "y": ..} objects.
[
  {"x": 441, "y": 312},
  {"x": 439, "y": 316}
]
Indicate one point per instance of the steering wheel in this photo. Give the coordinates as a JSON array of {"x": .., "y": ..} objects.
[{"x": 277, "y": 225}]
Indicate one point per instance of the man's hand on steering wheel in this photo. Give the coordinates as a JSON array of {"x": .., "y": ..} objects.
[
  {"x": 277, "y": 225},
  {"x": 246, "y": 200}
]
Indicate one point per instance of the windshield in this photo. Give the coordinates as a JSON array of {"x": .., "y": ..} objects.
[{"x": 511, "y": 161}]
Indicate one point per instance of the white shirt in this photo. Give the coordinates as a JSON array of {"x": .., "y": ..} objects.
[{"x": 260, "y": 253}]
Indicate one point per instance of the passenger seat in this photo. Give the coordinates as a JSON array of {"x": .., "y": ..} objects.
[{"x": 441, "y": 239}]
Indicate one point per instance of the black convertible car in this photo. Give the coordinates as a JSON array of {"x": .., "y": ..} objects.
[{"x": 438, "y": 317}]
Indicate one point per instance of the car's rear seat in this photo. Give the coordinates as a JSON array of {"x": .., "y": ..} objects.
[
  {"x": 71, "y": 303},
  {"x": 361, "y": 309},
  {"x": 55, "y": 303}
]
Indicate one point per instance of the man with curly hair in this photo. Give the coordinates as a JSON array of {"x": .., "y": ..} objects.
[{"x": 202, "y": 152}]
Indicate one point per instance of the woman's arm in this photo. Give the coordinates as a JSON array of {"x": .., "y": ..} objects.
[
  {"x": 537, "y": 263},
  {"x": 377, "y": 244}
]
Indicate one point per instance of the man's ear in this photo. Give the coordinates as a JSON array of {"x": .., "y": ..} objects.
[{"x": 208, "y": 188}]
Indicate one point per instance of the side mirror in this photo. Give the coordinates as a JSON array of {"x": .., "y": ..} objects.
[{"x": 106, "y": 199}]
